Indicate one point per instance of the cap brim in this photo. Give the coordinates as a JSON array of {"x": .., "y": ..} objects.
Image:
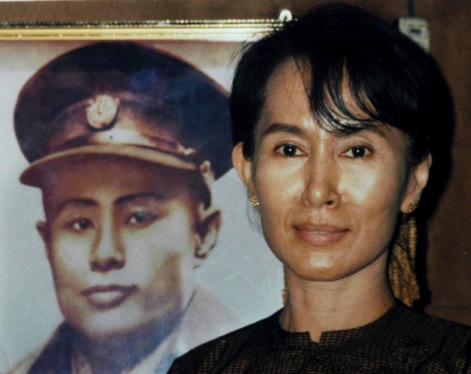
[{"x": 32, "y": 175}]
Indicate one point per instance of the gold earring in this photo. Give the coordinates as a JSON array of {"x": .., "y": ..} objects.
[
  {"x": 254, "y": 201},
  {"x": 412, "y": 206},
  {"x": 401, "y": 269}
]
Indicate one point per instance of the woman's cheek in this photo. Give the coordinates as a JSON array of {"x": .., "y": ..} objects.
[{"x": 278, "y": 180}]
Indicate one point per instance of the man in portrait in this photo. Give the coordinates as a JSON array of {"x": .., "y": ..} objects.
[{"x": 124, "y": 141}]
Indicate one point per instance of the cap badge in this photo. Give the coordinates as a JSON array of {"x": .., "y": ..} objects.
[{"x": 101, "y": 111}]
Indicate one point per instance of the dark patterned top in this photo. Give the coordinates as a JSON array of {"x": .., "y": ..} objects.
[{"x": 401, "y": 341}]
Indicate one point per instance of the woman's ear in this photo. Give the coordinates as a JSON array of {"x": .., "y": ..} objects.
[
  {"x": 242, "y": 166},
  {"x": 208, "y": 232},
  {"x": 418, "y": 179}
]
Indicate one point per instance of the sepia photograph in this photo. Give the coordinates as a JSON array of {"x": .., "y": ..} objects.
[{"x": 120, "y": 207}]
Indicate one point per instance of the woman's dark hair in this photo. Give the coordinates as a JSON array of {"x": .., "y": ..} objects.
[{"x": 391, "y": 79}]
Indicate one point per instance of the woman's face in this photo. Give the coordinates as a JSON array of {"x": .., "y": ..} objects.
[
  {"x": 121, "y": 242},
  {"x": 329, "y": 202}
]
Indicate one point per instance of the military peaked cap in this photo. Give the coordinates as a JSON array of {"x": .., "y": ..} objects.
[{"x": 123, "y": 99}]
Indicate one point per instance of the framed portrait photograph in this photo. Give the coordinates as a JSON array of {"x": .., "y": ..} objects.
[{"x": 127, "y": 237}]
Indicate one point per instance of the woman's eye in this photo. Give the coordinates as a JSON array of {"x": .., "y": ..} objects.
[
  {"x": 288, "y": 150},
  {"x": 358, "y": 151},
  {"x": 82, "y": 224},
  {"x": 139, "y": 218}
]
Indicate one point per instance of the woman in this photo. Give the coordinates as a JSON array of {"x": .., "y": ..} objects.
[{"x": 335, "y": 120}]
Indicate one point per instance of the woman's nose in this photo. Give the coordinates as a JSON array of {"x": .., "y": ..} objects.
[
  {"x": 108, "y": 252},
  {"x": 321, "y": 183}
]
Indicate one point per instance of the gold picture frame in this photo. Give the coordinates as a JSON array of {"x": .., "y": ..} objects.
[{"x": 210, "y": 30}]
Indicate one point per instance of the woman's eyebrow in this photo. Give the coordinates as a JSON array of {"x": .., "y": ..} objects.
[
  {"x": 352, "y": 129},
  {"x": 348, "y": 130},
  {"x": 281, "y": 127}
]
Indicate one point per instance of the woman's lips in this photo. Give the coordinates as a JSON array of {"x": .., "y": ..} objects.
[
  {"x": 107, "y": 297},
  {"x": 320, "y": 235}
]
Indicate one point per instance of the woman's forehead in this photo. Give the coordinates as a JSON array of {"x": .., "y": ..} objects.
[{"x": 288, "y": 96}]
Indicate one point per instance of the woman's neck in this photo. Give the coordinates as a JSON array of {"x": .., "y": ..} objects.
[{"x": 344, "y": 304}]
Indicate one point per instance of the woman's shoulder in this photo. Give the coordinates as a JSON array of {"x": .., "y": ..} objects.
[
  {"x": 206, "y": 357},
  {"x": 428, "y": 341},
  {"x": 409, "y": 322}
]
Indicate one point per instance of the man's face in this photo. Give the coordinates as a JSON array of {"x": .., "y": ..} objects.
[{"x": 121, "y": 239}]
